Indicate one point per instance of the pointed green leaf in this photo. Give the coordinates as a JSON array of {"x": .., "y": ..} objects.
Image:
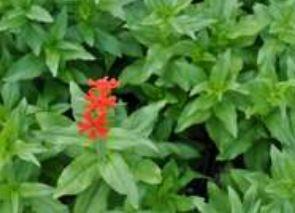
[
  {"x": 121, "y": 139},
  {"x": 148, "y": 172},
  {"x": 118, "y": 176},
  {"x": 53, "y": 58},
  {"x": 77, "y": 101},
  {"x": 197, "y": 111},
  {"x": 235, "y": 201},
  {"x": 93, "y": 200},
  {"x": 77, "y": 176},
  {"x": 27, "y": 67},
  {"x": 31, "y": 190},
  {"x": 39, "y": 14},
  {"x": 143, "y": 120},
  {"x": 227, "y": 114}
]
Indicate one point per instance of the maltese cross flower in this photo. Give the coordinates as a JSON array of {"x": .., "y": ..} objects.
[{"x": 98, "y": 102}]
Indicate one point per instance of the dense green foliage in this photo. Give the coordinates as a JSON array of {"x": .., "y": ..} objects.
[{"x": 220, "y": 68}]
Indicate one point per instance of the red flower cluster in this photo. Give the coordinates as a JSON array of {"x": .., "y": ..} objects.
[{"x": 99, "y": 101}]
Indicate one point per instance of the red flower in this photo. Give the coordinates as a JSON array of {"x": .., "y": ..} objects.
[{"x": 99, "y": 101}]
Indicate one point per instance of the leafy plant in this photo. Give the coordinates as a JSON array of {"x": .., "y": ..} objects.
[{"x": 201, "y": 118}]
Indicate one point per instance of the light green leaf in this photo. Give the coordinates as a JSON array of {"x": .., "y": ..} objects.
[
  {"x": 235, "y": 201},
  {"x": 12, "y": 19},
  {"x": 118, "y": 176},
  {"x": 134, "y": 74},
  {"x": 73, "y": 51},
  {"x": 227, "y": 114},
  {"x": 197, "y": 111},
  {"x": 10, "y": 93},
  {"x": 47, "y": 205},
  {"x": 121, "y": 139},
  {"x": 157, "y": 57},
  {"x": 53, "y": 58},
  {"x": 77, "y": 101},
  {"x": 26, "y": 151},
  {"x": 171, "y": 6},
  {"x": 148, "y": 172},
  {"x": 185, "y": 203},
  {"x": 49, "y": 120},
  {"x": 59, "y": 28},
  {"x": 93, "y": 200},
  {"x": 77, "y": 176},
  {"x": 143, "y": 120},
  {"x": 34, "y": 36},
  {"x": 108, "y": 42},
  {"x": 115, "y": 7},
  {"x": 39, "y": 14},
  {"x": 189, "y": 24},
  {"x": 247, "y": 26},
  {"x": 184, "y": 74},
  {"x": 27, "y": 67},
  {"x": 180, "y": 150},
  {"x": 230, "y": 147},
  {"x": 31, "y": 190}
]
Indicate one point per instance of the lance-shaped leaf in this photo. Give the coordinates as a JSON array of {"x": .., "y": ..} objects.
[
  {"x": 143, "y": 120},
  {"x": 118, "y": 176},
  {"x": 77, "y": 176},
  {"x": 39, "y": 14},
  {"x": 93, "y": 200},
  {"x": 121, "y": 139}
]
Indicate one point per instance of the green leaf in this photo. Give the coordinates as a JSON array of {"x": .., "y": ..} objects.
[
  {"x": 282, "y": 126},
  {"x": 230, "y": 147},
  {"x": 27, "y": 67},
  {"x": 189, "y": 24},
  {"x": 108, "y": 43},
  {"x": 47, "y": 205},
  {"x": 39, "y": 14},
  {"x": 182, "y": 151},
  {"x": 15, "y": 202},
  {"x": 185, "y": 203},
  {"x": 121, "y": 139},
  {"x": 34, "y": 190},
  {"x": 118, "y": 176},
  {"x": 222, "y": 70},
  {"x": 148, "y": 172},
  {"x": 10, "y": 93},
  {"x": 282, "y": 168},
  {"x": 226, "y": 112},
  {"x": 60, "y": 136},
  {"x": 77, "y": 176},
  {"x": 93, "y": 200},
  {"x": 5, "y": 191},
  {"x": 53, "y": 58},
  {"x": 218, "y": 199},
  {"x": 115, "y": 7},
  {"x": 197, "y": 111},
  {"x": 77, "y": 101},
  {"x": 49, "y": 120},
  {"x": 12, "y": 19},
  {"x": 26, "y": 151},
  {"x": 134, "y": 74},
  {"x": 34, "y": 36},
  {"x": 257, "y": 158},
  {"x": 157, "y": 57},
  {"x": 235, "y": 202},
  {"x": 72, "y": 51},
  {"x": 143, "y": 120},
  {"x": 247, "y": 26},
  {"x": 184, "y": 74},
  {"x": 59, "y": 28},
  {"x": 170, "y": 7}
]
